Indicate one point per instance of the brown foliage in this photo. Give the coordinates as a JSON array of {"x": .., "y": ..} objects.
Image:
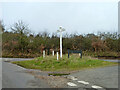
[{"x": 99, "y": 45}]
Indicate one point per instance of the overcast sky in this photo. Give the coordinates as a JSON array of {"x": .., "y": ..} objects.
[{"x": 80, "y": 17}]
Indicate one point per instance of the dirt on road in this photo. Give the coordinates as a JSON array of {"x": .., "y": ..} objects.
[{"x": 53, "y": 81}]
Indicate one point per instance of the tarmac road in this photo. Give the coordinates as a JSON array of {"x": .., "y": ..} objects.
[
  {"x": 14, "y": 77},
  {"x": 105, "y": 77},
  {"x": 15, "y": 59},
  {"x": 0, "y": 74}
]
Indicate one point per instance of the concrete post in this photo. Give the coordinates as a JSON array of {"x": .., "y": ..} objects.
[
  {"x": 60, "y": 44},
  {"x": 53, "y": 52},
  {"x": 57, "y": 55},
  {"x": 43, "y": 53},
  {"x": 61, "y": 30}
]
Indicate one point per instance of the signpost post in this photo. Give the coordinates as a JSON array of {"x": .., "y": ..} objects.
[
  {"x": 53, "y": 52},
  {"x": 57, "y": 56},
  {"x": 61, "y": 30},
  {"x": 43, "y": 53}
]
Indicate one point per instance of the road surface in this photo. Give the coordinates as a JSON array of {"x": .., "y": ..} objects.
[
  {"x": 15, "y": 77},
  {"x": 0, "y": 73},
  {"x": 104, "y": 77}
]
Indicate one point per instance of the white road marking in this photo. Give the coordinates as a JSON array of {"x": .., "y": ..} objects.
[
  {"x": 73, "y": 78},
  {"x": 19, "y": 66},
  {"x": 71, "y": 84},
  {"x": 83, "y": 82},
  {"x": 94, "y": 86}
]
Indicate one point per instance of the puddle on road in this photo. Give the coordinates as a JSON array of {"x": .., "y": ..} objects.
[{"x": 58, "y": 74}]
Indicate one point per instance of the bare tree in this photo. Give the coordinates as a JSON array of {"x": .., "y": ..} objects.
[
  {"x": 2, "y": 26},
  {"x": 20, "y": 27}
]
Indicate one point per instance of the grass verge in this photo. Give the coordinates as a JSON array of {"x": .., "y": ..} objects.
[{"x": 49, "y": 63}]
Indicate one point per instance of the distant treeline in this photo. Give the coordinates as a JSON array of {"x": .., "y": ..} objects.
[{"x": 19, "y": 42}]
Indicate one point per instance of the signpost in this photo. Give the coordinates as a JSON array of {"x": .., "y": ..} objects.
[
  {"x": 61, "y": 30},
  {"x": 75, "y": 51}
]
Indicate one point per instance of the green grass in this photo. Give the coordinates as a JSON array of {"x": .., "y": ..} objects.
[{"x": 50, "y": 63}]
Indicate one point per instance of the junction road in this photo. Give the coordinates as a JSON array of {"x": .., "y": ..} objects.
[
  {"x": 15, "y": 77},
  {"x": 104, "y": 77}
]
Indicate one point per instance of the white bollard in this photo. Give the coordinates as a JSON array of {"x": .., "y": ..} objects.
[
  {"x": 43, "y": 53},
  {"x": 53, "y": 52},
  {"x": 57, "y": 55},
  {"x": 80, "y": 55}
]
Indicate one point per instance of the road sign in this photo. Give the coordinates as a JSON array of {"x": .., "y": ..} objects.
[{"x": 75, "y": 51}]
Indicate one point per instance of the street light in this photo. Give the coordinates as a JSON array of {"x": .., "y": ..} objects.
[{"x": 61, "y": 29}]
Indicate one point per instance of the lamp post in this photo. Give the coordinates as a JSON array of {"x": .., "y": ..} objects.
[{"x": 61, "y": 29}]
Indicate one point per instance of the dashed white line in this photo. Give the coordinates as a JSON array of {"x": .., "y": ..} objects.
[
  {"x": 73, "y": 78},
  {"x": 94, "y": 86},
  {"x": 83, "y": 82},
  {"x": 71, "y": 84}
]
